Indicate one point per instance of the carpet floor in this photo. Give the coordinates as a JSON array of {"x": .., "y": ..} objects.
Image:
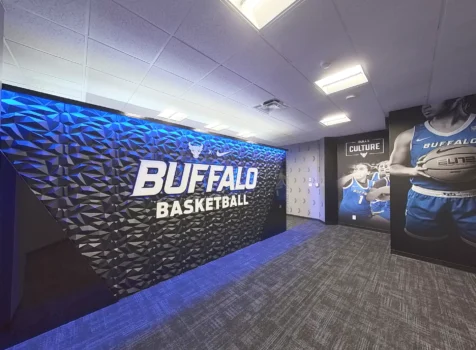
[{"x": 312, "y": 287}]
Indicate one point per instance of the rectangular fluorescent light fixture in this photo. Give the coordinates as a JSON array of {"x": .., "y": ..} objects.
[
  {"x": 172, "y": 115},
  {"x": 216, "y": 126},
  {"x": 133, "y": 115},
  {"x": 178, "y": 117},
  {"x": 261, "y": 12},
  {"x": 220, "y": 127},
  {"x": 335, "y": 119},
  {"x": 343, "y": 80},
  {"x": 167, "y": 113},
  {"x": 246, "y": 134}
]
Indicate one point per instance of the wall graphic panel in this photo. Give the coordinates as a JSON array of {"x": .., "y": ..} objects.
[
  {"x": 82, "y": 164},
  {"x": 433, "y": 167},
  {"x": 364, "y": 181},
  {"x": 305, "y": 176}
]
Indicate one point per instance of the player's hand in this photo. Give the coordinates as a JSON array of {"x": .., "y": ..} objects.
[
  {"x": 421, "y": 161},
  {"x": 420, "y": 171}
]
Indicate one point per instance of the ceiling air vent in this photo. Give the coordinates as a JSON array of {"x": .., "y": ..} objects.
[{"x": 271, "y": 105}]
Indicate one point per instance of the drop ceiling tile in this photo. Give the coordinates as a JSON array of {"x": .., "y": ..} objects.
[
  {"x": 364, "y": 110},
  {"x": 460, "y": 80},
  {"x": 114, "y": 26},
  {"x": 215, "y": 29},
  {"x": 114, "y": 62},
  {"x": 294, "y": 117},
  {"x": 289, "y": 85},
  {"x": 13, "y": 74},
  {"x": 454, "y": 69},
  {"x": 397, "y": 97},
  {"x": 41, "y": 62},
  {"x": 251, "y": 96},
  {"x": 157, "y": 101},
  {"x": 105, "y": 102},
  {"x": 328, "y": 42},
  {"x": 190, "y": 123},
  {"x": 7, "y": 57},
  {"x": 397, "y": 58},
  {"x": 411, "y": 84},
  {"x": 184, "y": 61},
  {"x": 109, "y": 86},
  {"x": 344, "y": 129},
  {"x": 141, "y": 111},
  {"x": 223, "y": 81},
  {"x": 152, "y": 99},
  {"x": 256, "y": 61},
  {"x": 41, "y": 34},
  {"x": 318, "y": 108},
  {"x": 202, "y": 96},
  {"x": 274, "y": 125},
  {"x": 40, "y": 82},
  {"x": 163, "y": 81},
  {"x": 228, "y": 107},
  {"x": 165, "y": 14},
  {"x": 51, "y": 83},
  {"x": 70, "y": 14}
]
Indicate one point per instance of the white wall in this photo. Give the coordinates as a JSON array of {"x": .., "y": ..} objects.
[{"x": 305, "y": 169}]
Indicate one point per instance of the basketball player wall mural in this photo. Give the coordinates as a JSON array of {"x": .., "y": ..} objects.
[
  {"x": 433, "y": 169},
  {"x": 364, "y": 183}
]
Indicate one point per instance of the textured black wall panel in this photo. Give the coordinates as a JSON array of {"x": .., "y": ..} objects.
[{"x": 82, "y": 164}]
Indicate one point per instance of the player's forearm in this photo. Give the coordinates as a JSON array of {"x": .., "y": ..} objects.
[
  {"x": 372, "y": 195},
  {"x": 384, "y": 190},
  {"x": 401, "y": 170}
]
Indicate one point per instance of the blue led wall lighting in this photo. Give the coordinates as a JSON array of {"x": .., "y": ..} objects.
[{"x": 82, "y": 163}]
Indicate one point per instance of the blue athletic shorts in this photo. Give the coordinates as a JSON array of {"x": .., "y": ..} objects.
[{"x": 434, "y": 218}]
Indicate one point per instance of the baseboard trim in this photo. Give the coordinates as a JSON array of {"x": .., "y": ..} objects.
[
  {"x": 434, "y": 261},
  {"x": 304, "y": 217}
]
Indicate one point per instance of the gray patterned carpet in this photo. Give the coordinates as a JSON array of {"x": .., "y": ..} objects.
[
  {"x": 312, "y": 287},
  {"x": 340, "y": 289}
]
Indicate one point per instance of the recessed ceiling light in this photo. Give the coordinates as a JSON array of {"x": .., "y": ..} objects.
[
  {"x": 133, "y": 115},
  {"x": 216, "y": 126},
  {"x": 167, "y": 113},
  {"x": 350, "y": 97},
  {"x": 261, "y": 12},
  {"x": 220, "y": 127},
  {"x": 211, "y": 125},
  {"x": 335, "y": 119},
  {"x": 343, "y": 80},
  {"x": 246, "y": 134},
  {"x": 178, "y": 117}
]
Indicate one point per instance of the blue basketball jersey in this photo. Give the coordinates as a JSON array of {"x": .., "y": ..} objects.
[
  {"x": 386, "y": 205},
  {"x": 375, "y": 176},
  {"x": 426, "y": 139},
  {"x": 377, "y": 206},
  {"x": 353, "y": 198}
]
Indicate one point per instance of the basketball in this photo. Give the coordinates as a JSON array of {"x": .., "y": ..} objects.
[{"x": 451, "y": 164}]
